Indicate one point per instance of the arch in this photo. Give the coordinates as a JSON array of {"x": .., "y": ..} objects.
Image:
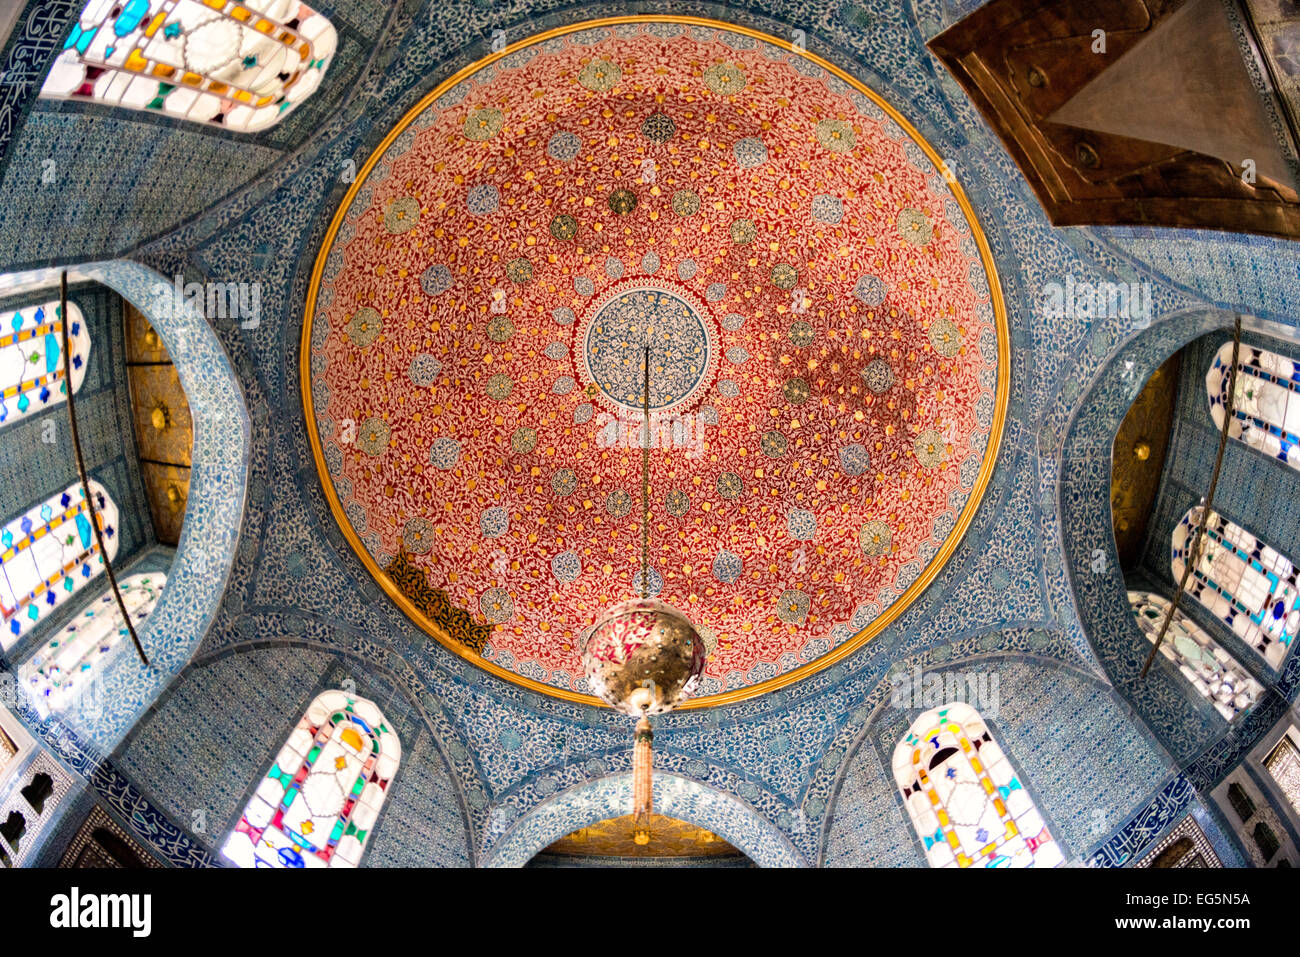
[
  {"x": 237, "y": 64},
  {"x": 674, "y": 796},
  {"x": 1266, "y": 410},
  {"x": 31, "y": 359},
  {"x": 426, "y": 820},
  {"x": 965, "y": 799},
  {"x": 60, "y": 672},
  {"x": 49, "y": 553},
  {"x": 214, "y": 508},
  {"x": 1181, "y": 722},
  {"x": 319, "y": 802},
  {"x": 1245, "y": 583},
  {"x": 866, "y": 824},
  {"x": 1218, "y": 676}
]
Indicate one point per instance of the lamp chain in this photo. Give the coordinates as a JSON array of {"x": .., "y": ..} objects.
[{"x": 645, "y": 483}]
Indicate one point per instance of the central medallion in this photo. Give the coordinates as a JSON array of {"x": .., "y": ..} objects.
[{"x": 621, "y": 323}]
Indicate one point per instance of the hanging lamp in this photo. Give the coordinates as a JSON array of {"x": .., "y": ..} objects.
[{"x": 643, "y": 657}]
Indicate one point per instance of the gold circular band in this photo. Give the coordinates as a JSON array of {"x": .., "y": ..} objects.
[{"x": 836, "y": 654}]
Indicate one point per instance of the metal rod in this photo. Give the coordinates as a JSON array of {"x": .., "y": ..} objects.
[
  {"x": 81, "y": 469},
  {"x": 1198, "y": 536},
  {"x": 643, "y": 801},
  {"x": 645, "y": 483}
]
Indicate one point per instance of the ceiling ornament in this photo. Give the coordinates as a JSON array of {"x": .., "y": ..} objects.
[
  {"x": 673, "y": 838},
  {"x": 644, "y": 657},
  {"x": 828, "y": 346},
  {"x": 1112, "y": 111}
]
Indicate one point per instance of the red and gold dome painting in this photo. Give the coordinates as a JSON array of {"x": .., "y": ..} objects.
[{"x": 827, "y": 349}]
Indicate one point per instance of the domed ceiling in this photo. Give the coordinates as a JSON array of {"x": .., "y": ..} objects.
[{"x": 828, "y": 353}]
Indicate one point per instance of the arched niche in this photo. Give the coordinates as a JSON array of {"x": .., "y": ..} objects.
[
  {"x": 1035, "y": 709},
  {"x": 1179, "y": 718},
  {"x": 674, "y": 796},
  {"x": 214, "y": 510}
]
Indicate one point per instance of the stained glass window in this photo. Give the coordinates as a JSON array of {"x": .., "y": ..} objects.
[
  {"x": 48, "y": 554},
  {"x": 1210, "y": 669},
  {"x": 321, "y": 798},
  {"x": 31, "y": 359},
  {"x": 966, "y": 802},
  {"x": 237, "y": 64},
  {"x": 58, "y": 674},
  {"x": 1266, "y": 410},
  {"x": 1247, "y": 585}
]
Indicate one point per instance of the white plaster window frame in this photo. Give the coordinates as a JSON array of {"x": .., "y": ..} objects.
[
  {"x": 1271, "y": 804},
  {"x": 25, "y": 746}
]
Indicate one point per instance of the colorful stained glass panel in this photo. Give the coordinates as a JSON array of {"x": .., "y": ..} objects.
[
  {"x": 1210, "y": 670},
  {"x": 319, "y": 802},
  {"x": 237, "y": 64},
  {"x": 1266, "y": 408},
  {"x": 62, "y": 670},
  {"x": 48, "y": 554},
  {"x": 31, "y": 359},
  {"x": 1249, "y": 586},
  {"x": 967, "y": 803}
]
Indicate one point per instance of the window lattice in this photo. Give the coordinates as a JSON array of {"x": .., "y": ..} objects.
[
  {"x": 1284, "y": 764},
  {"x": 60, "y": 673}
]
